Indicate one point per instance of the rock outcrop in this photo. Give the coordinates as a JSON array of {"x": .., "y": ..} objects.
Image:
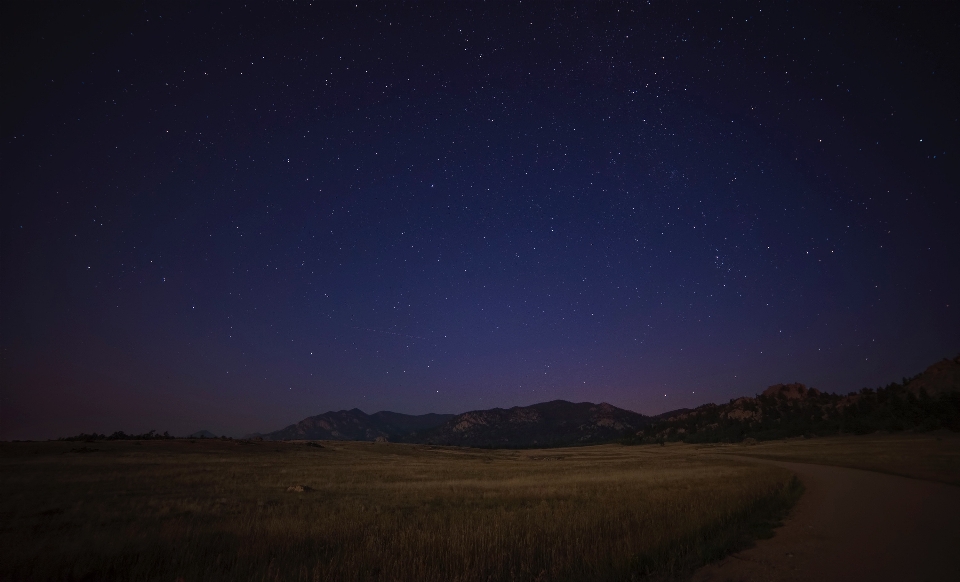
[
  {"x": 927, "y": 401},
  {"x": 940, "y": 378}
]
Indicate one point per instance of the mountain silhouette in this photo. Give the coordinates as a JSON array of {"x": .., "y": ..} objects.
[
  {"x": 356, "y": 425},
  {"x": 926, "y": 401}
]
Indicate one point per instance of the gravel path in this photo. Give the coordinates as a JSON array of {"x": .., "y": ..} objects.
[{"x": 854, "y": 525}]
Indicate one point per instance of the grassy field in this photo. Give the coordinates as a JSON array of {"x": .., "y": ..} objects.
[
  {"x": 934, "y": 456},
  {"x": 221, "y": 510}
]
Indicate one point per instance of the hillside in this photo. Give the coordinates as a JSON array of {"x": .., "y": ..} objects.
[
  {"x": 546, "y": 424},
  {"x": 927, "y": 401},
  {"x": 541, "y": 425},
  {"x": 356, "y": 425},
  {"x": 940, "y": 378}
]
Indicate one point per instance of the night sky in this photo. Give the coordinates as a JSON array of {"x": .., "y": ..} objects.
[{"x": 231, "y": 218}]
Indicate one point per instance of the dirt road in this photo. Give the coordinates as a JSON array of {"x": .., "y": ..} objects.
[{"x": 855, "y": 525}]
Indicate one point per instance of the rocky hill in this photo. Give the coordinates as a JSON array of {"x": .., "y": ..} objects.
[
  {"x": 927, "y": 401},
  {"x": 541, "y": 425},
  {"x": 356, "y": 425},
  {"x": 940, "y": 378}
]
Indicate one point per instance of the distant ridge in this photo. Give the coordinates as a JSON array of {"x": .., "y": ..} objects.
[
  {"x": 356, "y": 425},
  {"x": 201, "y": 434},
  {"x": 927, "y": 401},
  {"x": 547, "y": 424}
]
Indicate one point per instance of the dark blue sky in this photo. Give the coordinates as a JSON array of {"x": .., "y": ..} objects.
[{"x": 232, "y": 218}]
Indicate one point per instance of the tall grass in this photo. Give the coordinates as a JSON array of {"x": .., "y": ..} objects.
[{"x": 221, "y": 511}]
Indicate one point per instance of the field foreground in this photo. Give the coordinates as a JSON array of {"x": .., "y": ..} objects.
[{"x": 209, "y": 510}]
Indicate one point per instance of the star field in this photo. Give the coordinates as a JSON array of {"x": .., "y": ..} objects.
[{"x": 231, "y": 218}]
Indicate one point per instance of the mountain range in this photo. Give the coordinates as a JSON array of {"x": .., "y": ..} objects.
[
  {"x": 554, "y": 423},
  {"x": 926, "y": 401},
  {"x": 356, "y": 425},
  {"x": 546, "y": 424}
]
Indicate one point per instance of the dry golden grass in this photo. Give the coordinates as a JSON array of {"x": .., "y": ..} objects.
[
  {"x": 218, "y": 510},
  {"x": 934, "y": 456}
]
